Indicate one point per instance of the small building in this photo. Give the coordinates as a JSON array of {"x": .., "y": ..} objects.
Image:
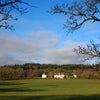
[
  {"x": 74, "y": 75},
  {"x": 59, "y": 76},
  {"x": 44, "y": 75}
]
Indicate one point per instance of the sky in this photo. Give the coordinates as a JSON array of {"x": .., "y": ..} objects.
[{"x": 39, "y": 37}]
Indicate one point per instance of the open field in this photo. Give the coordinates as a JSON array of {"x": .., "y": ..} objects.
[{"x": 50, "y": 89}]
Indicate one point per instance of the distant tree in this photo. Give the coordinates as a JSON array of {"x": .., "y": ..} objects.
[
  {"x": 7, "y": 73},
  {"x": 19, "y": 73},
  {"x": 78, "y": 13},
  {"x": 7, "y": 8}
]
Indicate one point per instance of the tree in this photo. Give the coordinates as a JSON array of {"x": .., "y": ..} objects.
[
  {"x": 6, "y": 9},
  {"x": 79, "y": 13},
  {"x": 91, "y": 51}
]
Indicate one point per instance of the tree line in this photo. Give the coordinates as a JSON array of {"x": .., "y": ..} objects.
[{"x": 33, "y": 71}]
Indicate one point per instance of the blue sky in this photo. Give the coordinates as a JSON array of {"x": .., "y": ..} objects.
[{"x": 40, "y": 38}]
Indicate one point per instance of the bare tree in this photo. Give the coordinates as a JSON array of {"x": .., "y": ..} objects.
[
  {"x": 78, "y": 14},
  {"x": 91, "y": 50},
  {"x": 7, "y": 8}
]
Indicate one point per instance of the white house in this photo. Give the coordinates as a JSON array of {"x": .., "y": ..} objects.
[
  {"x": 44, "y": 75},
  {"x": 74, "y": 75},
  {"x": 59, "y": 76}
]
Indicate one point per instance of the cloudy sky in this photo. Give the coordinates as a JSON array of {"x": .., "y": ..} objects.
[{"x": 40, "y": 38}]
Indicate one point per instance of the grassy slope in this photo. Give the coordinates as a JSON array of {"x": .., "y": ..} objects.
[{"x": 50, "y": 90}]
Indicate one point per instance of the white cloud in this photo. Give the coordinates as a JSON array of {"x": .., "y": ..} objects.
[
  {"x": 64, "y": 55},
  {"x": 11, "y": 47},
  {"x": 40, "y": 46}
]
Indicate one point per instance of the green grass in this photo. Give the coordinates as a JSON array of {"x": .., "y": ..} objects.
[{"x": 50, "y": 89}]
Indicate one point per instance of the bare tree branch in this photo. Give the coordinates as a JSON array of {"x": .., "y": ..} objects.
[
  {"x": 92, "y": 50},
  {"x": 3, "y": 4},
  {"x": 6, "y": 8},
  {"x": 78, "y": 13}
]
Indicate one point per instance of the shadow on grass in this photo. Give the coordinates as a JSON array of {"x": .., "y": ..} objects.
[
  {"x": 3, "y": 83},
  {"x": 62, "y": 97},
  {"x": 19, "y": 90},
  {"x": 15, "y": 88}
]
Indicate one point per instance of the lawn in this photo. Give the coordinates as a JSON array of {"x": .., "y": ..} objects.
[{"x": 45, "y": 89}]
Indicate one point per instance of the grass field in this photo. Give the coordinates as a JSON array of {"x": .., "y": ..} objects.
[{"x": 50, "y": 89}]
